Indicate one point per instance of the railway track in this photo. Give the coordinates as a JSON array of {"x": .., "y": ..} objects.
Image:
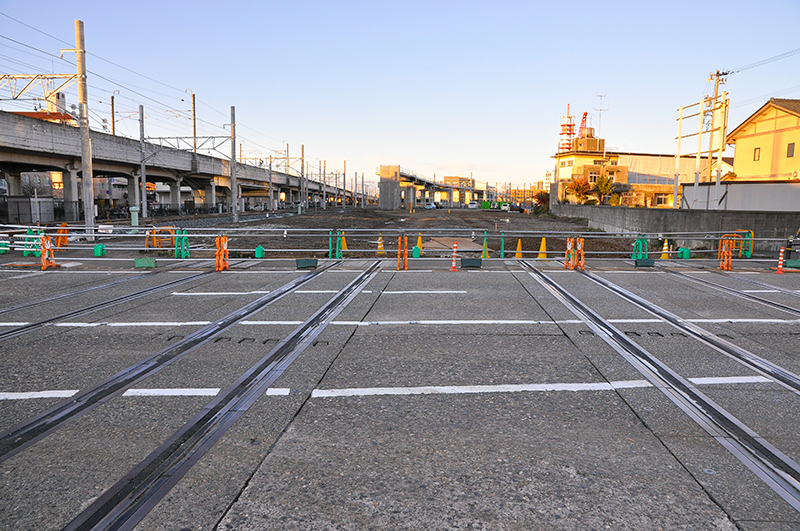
[
  {"x": 122, "y": 506},
  {"x": 772, "y": 466},
  {"x": 30, "y": 327},
  {"x": 27, "y": 433},
  {"x": 778, "y": 374}
]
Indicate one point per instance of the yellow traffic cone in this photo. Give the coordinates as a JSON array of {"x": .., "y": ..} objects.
[
  {"x": 518, "y": 254},
  {"x": 344, "y": 243},
  {"x": 543, "y": 249},
  {"x": 381, "y": 250},
  {"x": 419, "y": 243},
  {"x": 665, "y": 251}
]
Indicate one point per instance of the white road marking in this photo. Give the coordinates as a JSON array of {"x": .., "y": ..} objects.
[
  {"x": 206, "y": 293},
  {"x": 423, "y": 322},
  {"x": 315, "y": 291},
  {"x": 212, "y": 391},
  {"x": 518, "y": 388},
  {"x": 187, "y": 323},
  {"x": 473, "y": 389},
  {"x": 271, "y": 322},
  {"x": 420, "y": 292},
  {"x": 39, "y": 394},
  {"x": 730, "y": 380},
  {"x": 760, "y": 291}
]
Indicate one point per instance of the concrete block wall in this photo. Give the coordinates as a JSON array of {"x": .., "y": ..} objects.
[{"x": 777, "y": 225}]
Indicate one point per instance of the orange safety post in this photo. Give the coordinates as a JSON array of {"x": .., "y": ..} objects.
[
  {"x": 727, "y": 253},
  {"x": 455, "y": 251},
  {"x": 568, "y": 256},
  {"x": 580, "y": 258},
  {"x": 779, "y": 271},
  {"x": 399, "y": 252},
  {"x": 222, "y": 253},
  {"x": 405, "y": 253},
  {"x": 62, "y": 240},
  {"x": 47, "y": 252}
]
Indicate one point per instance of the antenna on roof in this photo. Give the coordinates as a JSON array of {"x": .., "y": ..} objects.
[{"x": 600, "y": 115}]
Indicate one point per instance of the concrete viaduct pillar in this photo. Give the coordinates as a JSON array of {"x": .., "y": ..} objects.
[
  {"x": 211, "y": 195},
  {"x": 175, "y": 193},
  {"x": 71, "y": 195}
]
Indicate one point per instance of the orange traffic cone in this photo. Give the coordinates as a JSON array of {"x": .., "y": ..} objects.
[{"x": 543, "y": 249}]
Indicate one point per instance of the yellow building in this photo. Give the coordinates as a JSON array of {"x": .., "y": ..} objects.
[{"x": 765, "y": 143}]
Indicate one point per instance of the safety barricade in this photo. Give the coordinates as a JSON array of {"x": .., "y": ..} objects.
[
  {"x": 181, "y": 244},
  {"x": 33, "y": 244},
  {"x": 222, "y": 253},
  {"x": 160, "y": 237},
  {"x": 62, "y": 237},
  {"x": 746, "y": 247},
  {"x": 736, "y": 243},
  {"x": 48, "y": 260},
  {"x": 575, "y": 257},
  {"x": 726, "y": 252}
]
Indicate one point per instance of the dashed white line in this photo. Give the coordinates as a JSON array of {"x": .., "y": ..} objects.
[
  {"x": 211, "y": 391},
  {"x": 37, "y": 394}
]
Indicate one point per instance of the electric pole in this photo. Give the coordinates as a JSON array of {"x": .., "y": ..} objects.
[
  {"x": 234, "y": 184},
  {"x": 86, "y": 142},
  {"x": 142, "y": 185},
  {"x": 719, "y": 78}
]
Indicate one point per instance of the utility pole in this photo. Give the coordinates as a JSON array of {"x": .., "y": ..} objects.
[
  {"x": 86, "y": 142},
  {"x": 303, "y": 183},
  {"x": 325, "y": 186},
  {"x": 719, "y": 78},
  {"x": 113, "y": 129},
  {"x": 344, "y": 185},
  {"x": 363, "y": 192},
  {"x": 269, "y": 185},
  {"x": 234, "y": 184},
  {"x": 141, "y": 187},
  {"x": 194, "y": 126}
]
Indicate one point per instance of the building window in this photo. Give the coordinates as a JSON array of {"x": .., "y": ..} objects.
[
  {"x": 569, "y": 163},
  {"x": 790, "y": 150},
  {"x": 662, "y": 199},
  {"x": 593, "y": 175},
  {"x": 757, "y": 154}
]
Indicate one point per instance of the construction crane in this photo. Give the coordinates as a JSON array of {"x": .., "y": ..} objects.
[{"x": 582, "y": 128}]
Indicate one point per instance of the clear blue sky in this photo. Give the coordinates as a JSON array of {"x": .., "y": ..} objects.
[{"x": 443, "y": 88}]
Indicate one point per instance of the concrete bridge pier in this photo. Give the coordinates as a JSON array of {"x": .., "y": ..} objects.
[
  {"x": 14, "y": 183},
  {"x": 71, "y": 195},
  {"x": 175, "y": 192},
  {"x": 210, "y": 199}
]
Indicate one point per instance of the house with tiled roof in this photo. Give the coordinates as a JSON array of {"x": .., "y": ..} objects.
[{"x": 766, "y": 143}]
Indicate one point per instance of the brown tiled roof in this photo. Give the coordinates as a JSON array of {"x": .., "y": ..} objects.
[{"x": 793, "y": 106}]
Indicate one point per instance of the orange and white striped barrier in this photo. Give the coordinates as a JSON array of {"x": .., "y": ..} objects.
[
  {"x": 455, "y": 252},
  {"x": 222, "y": 253},
  {"x": 779, "y": 271},
  {"x": 568, "y": 256},
  {"x": 579, "y": 258},
  {"x": 47, "y": 252},
  {"x": 726, "y": 247}
]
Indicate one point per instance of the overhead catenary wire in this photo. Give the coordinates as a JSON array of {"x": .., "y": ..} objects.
[{"x": 128, "y": 88}]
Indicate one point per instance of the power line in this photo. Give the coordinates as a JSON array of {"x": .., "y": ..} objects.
[
  {"x": 766, "y": 61},
  {"x": 128, "y": 88}
]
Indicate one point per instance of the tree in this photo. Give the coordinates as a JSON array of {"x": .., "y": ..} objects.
[
  {"x": 542, "y": 198},
  {"x": 580, "y": 188},
  {"x": 603, "y": 187}
]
